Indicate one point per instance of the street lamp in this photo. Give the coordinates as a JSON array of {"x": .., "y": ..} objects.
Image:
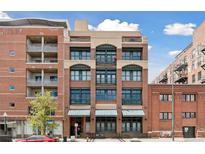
[
  {"x": 5, "y": 123},
  {"x": 173, "y": 133}
]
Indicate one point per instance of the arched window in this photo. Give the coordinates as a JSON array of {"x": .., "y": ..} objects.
[
  {"x": 80, "y": 72},
  {"x": 105, "y": 54},
  {"x": 132, "y": 73}
]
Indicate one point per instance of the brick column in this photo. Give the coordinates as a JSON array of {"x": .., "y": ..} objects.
[
  {"x": 155, "y": 120},
  {"x": 145, "y": 52},
  {"x": 66, "y": 121},
  {"x": 178, "y": 114},
  {"x": 119, "y": 101},
  {"x": 93, "y": 101},
  {"x": 145, "y": 99},
  {"x": 200, "y": 115}
]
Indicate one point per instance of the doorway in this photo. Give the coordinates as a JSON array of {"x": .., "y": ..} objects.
[{"x": 189, "y": 132}]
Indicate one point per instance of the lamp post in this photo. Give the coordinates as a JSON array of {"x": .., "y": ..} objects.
[
  {"x": 173, "y": 133},
  {"x": 5, "y": 123}
]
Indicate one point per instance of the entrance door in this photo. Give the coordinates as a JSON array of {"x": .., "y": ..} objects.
[
  {"x": 72, "y": 126},
  {"x": 189, "y": 132}
]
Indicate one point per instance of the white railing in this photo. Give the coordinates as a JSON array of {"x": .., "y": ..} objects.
[
  {"x": 50, "y": 48},
  {"x": 34, "y": 47}
]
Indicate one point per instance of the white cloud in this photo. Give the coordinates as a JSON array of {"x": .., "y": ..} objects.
[
  {"x": 179, "y": 29},
  {"x": 114, "y": 25},
  {"x": 4, "y": 16},
  {"x": 149, "y": 47},
  {"x": 174, "y": 52}
]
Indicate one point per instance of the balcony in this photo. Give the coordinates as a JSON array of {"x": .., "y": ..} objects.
[
  {"x": 203, "y": 65},
  {"x": 181, "y": 66},
  {"x": 50, "y": 60},
  {"x": 182, "y": 78},
  {"x": 202, "y": 48},
  {"x": 164, "y": 79}
]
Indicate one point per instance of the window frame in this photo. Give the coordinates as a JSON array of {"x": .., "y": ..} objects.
[
  {"x": 106, "y": 94},
  {"x": 130, "y": 92},
  {"x": 80, "y": 100}
]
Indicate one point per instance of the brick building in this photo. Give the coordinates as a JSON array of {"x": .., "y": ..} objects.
[
  {"x": 99, "y": 79},
  {"x": 189, "y": 110}
]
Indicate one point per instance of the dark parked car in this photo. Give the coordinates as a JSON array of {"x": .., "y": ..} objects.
[{"x": 38, "y": 138}]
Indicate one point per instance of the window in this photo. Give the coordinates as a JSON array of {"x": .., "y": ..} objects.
[
  {"x": 189, "y": 115},
  {"x": 54, "y": 93},
  {"x": 80, "y": 96},
  {"x": 53, "y": 78},
  {"x": 105, "y": 77},
  {"x": 131, "y": 75},
  {"x": 105, "y": 94},
  {"x": 79, "y": 53},
  {"x": 12, "y": 105},
  {"x": 165, "y": 97},
  {"x": 105, "y": 54},
  {"x": 131, "y": 53},
  {"x": 131, "y": 124},
  {"x": 105, "y": 124},
  {"x": 12, "y": 53},
  {"x": 77, "y": 75},
  {"x": 38, "y": 78},
  {"x": 165, "y": 115},
  {"x": 11, "y": 88},
  {"x": 12, "y": 70},
  {"x": 188, "y": 97},
  {"x": 132, "y": 96},
  {"x": 132, "y": 39},
  {"x": 193, "y": 78},
  {"x": 80, "y": 72},
  {"x": 199, "y": 75}
]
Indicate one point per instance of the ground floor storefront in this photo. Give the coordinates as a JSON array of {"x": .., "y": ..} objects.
[{"x": 22, "y": 129}]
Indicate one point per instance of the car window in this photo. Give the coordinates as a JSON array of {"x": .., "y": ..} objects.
[{"x": 36, "y": 138}]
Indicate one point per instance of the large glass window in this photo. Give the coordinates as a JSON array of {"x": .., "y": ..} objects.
[
  {"x": 132, "y": 96},
  {"x": 105, "y": 124},
  {"x": 79, "y": 53},
  {"x": 132, "y": 73},
  {"x": 132, "y": 124},
  {"x": 106, "y": 77},
  {"x": 131, "y": 53},
  {"x": 105, "y": 94},
  {"x": 80, "y": 96},
  {"x": 80, "y": 72},
  {"x": 105, "y": 54}
]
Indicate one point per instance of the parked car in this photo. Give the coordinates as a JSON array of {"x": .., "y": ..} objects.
[{"x": 38, "y": 138}]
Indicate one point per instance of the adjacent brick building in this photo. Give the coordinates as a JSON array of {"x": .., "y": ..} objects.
[{"x": 189, "y": 110}]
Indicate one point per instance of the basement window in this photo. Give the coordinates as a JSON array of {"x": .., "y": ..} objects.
[{"x": 12, "y": 105}]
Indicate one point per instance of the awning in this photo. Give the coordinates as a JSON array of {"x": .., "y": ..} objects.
[
  {"x": 133, "y": 113},
  {"x": 79, "y": 113},
  {"x": 106, "y": 113}
]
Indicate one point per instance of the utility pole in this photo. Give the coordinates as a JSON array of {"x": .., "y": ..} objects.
[{"x": 173, "y": 133}]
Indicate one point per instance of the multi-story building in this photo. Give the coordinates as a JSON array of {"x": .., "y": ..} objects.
[
  {"x": 31, "y": 62},
  {"x": 188, "y": 67},
  {"x": 189, "y": 110},
  {"x": 99, "y": 78}
]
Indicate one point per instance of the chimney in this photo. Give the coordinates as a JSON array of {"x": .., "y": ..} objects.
[{"x": 81, "y": 25}]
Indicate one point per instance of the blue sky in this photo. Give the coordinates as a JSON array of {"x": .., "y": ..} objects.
[{"x": 151, "y": 24}]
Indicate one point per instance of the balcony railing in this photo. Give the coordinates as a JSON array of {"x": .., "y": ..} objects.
[
  {"x": 181, "y": 66},
  {"x": 50, "y": 82},
  {"x": 50, "y": 48},
  {"x": 40, "y": 48},
  {"x": 40, "y": 61},
  {"x": 34, "y": 47},
  {"x": 182, "y": 78},
  {"x": 33, "y": 82}
]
